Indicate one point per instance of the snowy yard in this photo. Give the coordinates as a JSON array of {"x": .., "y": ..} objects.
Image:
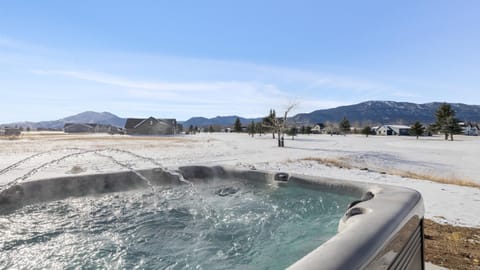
[{"x": 375, "y": 159}]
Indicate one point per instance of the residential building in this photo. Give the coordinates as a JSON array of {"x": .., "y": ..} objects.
[
  {"x": 90, "y": 128},
  {"x": 151, "y": 126},
  {"x": 395, "y": 130},
  {"x": 10, "y": 131},
  {"x": 318, "y": 128}
]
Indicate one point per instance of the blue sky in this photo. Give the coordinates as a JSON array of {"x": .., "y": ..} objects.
[{"x": 207, "y": 58}]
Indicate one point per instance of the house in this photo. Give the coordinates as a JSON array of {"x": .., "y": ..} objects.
[
  {"x": 89, "y": 128},
  {"x": 10, "y": 132},
  {"x": 471, "y": 129},
  {"x": 395, "y": 130},
  {"x": 318, "y": 128},
  {"x": 151, "y": 126}
]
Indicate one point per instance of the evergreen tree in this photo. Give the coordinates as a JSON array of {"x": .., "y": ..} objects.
[
  {"x": 271, "y": 122},
  {"x": 344, "y": 125},
  {"x": 431, "y": 129},
  {"x": 303, "y": 130},
  {"x": 259, "y": 128},
  {"x": 367, "y": 130},
  {"x": 293, "y": 132},
  {"x": 308, "y": 130},
  {"x": 237, "y": 126},
  {"x": 452, "y": 127},
  {"x": 190, "y": 129},
  {"x": 443, "y": 113},
  {"x": 251, "y": 129},
  {"x": 417, "y": 129},
  {"x": 210, "y": 129}
]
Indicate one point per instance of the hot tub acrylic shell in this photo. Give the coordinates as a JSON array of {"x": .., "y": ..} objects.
[{"x": 381, "y": 230}]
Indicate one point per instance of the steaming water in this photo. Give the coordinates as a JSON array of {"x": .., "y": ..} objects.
[{"x": 218, "y": 225}]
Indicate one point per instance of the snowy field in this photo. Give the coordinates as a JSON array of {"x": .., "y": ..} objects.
[{"x": 374, "y": 159}]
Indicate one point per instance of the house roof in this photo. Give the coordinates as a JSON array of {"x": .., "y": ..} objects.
[
  {"x": 397, "y": 126},
  {"x": 135, "y": 122},
  {"x": 143, "y": 121}
]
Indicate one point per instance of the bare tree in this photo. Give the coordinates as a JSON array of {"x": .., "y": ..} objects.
[
  {"x": 278, "y": 124},
  {"x": 283, "y": 125}
]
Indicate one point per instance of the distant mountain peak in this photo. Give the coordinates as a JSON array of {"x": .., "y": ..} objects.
[
  {"x": 369, "y": 112},
  {"x": 388, "y": 112},
  {"x": 91, "y": 117}
]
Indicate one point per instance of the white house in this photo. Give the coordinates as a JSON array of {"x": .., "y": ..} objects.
[
  {"x": 471, "y": 130},
  {"x": 395, "y": 130},
  {"x": 318, "y": 128}
]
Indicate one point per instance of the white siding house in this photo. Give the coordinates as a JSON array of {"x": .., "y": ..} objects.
[
  {"x": 471, "y": 130},
  {"x": 318, "y": 128},
  {"x": 395, "y": 130}
]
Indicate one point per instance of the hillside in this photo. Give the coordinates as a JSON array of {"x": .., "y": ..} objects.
[
  {"x": 217, "y": 121},
  {"x": 369, "y": 112},
  {"x": 105, "y": 118},
  {"x": 382, "y": 112}
]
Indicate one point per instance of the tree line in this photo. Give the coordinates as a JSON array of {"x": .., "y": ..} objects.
[{"x": 446, "y": 123}]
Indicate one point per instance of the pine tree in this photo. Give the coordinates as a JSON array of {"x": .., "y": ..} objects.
[
  {"x": 210, "y": 129},
  {"x": 344, "y": 125},
  {"x": 302, "y": 130},
  {"x": 308, "y": 130},
  {"x": 452, "y": 127},
  {"x": 271, "y": 122},
  {"x": 259, "y": 128},
  {"x": 367, "y": 130},
  {"x": 443, "y": 113},
  {"x": 251, "y": 129},
  {"x": 293, "y": 132},
  {"x": 417, "y": 129},
  {"x": 237, "y": 126}
]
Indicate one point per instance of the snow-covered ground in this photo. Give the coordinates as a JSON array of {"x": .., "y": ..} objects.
[{"x": 39, "y": 155}]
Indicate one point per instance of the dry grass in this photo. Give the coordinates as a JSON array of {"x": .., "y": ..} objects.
[
  {"x": 438, "y": 179},
  {"x": 336, "y": 162},
  {"x": 451, "y": 246},
  {"x": 13, "y": 138},
  {"x": 343, "y": 163},
  {"x": 10, "y": 138}
]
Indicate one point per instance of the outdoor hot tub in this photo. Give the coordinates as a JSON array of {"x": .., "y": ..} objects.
[{"x": 199, "y": 217}]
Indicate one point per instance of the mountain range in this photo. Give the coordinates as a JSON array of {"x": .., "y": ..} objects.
[
  {"x": 104, "y": 118},
  {"x": 365, "y": 113},
  {"x": 388, "y": 112}
]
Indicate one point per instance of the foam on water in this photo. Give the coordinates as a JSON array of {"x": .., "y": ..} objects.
[{"x": 232, "y": 224}]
